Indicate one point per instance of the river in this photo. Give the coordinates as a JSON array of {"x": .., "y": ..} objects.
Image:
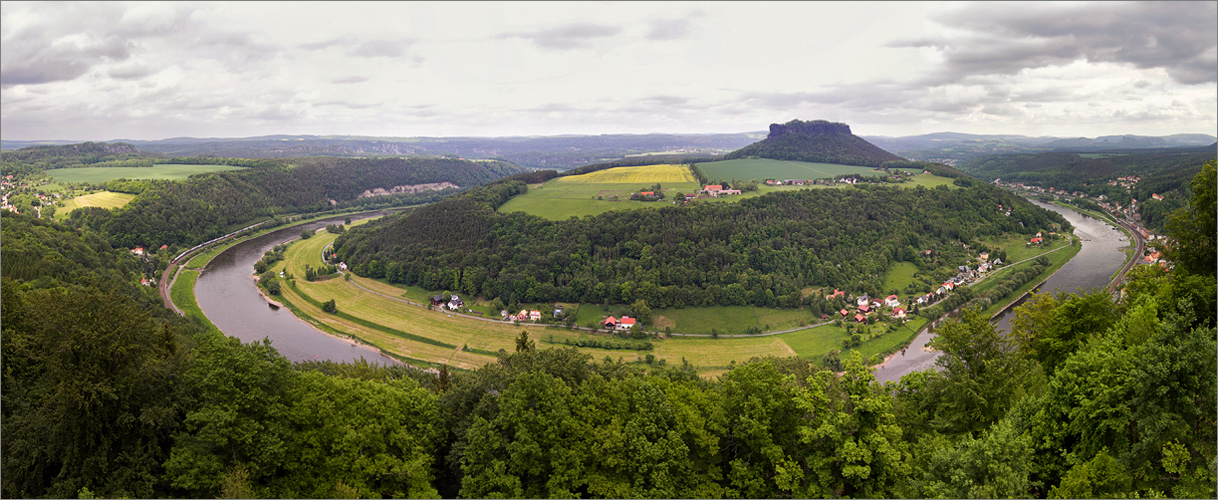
[
  {"x": 1098, "y": 259},
  {"x": 226, "y": 293}
]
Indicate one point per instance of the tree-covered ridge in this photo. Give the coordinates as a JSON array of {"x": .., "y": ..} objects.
[
  {"x": 815, "y": 141},
  {"x": 1163, "y": 172},
  {"x": 759, "y": 251},
  {"x": 207, "y": 206}
]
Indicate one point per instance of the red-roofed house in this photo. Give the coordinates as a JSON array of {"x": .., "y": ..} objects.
[
  {"x": 138, "y": 250},
  {"x": 864, "y": 309},
  {"x": 844, "y": 313},
  {"x": 860, "y": 318},
  {"x": 1035, "y": 240},
  {"x": 610, "y": 322},
  {"x": 892, "y": 301},
  {"x": 647, "y": 193},
  {"x": 626, "y": 323},
  {"x": 534, "y": 315},
  {"x": 899, "y": 312}
]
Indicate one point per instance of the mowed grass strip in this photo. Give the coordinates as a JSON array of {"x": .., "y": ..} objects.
[
  {"x": 644, "y": 175},
  {"x": 397, "y": 345},
  {"x": 103, "y": 199},
  {"x": 708, "y": 353}
]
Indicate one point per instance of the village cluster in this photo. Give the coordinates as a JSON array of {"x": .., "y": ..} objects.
[
  {"x": 868, "y": 308},
  {"x": 1129, "y": 212},
  {"x": 8, "y": 186}
]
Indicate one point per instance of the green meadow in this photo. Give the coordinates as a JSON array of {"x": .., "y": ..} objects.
[
  {"x": 761, "y": 169},
  {"x": 103, "y": 199},
  {"x": 167, "y": 171}
]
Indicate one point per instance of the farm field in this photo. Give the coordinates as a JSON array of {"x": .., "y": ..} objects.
[
  {"x": 168, "y": 171},
  {"x": 103, "y": 199},
  {"x": 761, "y": 169},
  {"x": 601, "y": 191},
  {"x": 644, "y": 175}
]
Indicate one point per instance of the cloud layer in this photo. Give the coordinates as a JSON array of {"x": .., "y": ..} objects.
[{"x": 102, "y": 71}]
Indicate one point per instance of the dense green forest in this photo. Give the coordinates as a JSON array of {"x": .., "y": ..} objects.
[
  {"x": 815, "y": 141},
  {"x": 107, "y": 395},
  {"x": 1163, "y": 172},
  {"x": 760, "y": 251},
  {"x": 209, "y": 205}
]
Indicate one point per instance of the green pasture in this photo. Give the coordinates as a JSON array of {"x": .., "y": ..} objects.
[
  {"x": 182, "y": 293},
  {"x": 901, "y": 275},
  {"x": 761, "y": 169},
  {"x": 930, "y": 181},
  {"x": 167, "y": 171},
  {"x": 103, "y": 199},
  {"x": 557, "y": 200}
]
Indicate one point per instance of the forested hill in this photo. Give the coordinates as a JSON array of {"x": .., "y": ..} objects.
[
  {"x": 759, "y": 251},
  {"x": 208, "y": 206},
  {"x": 815, "y": 141}
]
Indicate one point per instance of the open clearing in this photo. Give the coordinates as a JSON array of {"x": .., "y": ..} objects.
[
  {"x": 104, "y": 199},
  {"x": 761, "y": 169},
  {"x": 601, "y": 191},
  {"x": 644, "y": 175},
  {"x": 168, "y": 171}
]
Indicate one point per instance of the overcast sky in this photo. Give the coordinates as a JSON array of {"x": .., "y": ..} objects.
[{"x": 105, "y": 71}]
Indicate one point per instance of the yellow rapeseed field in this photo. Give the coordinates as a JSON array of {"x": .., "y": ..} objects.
[{"x": 649, "y": 174}]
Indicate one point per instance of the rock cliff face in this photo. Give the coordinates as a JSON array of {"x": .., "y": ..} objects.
[
  {"x": 815, "y": 141},
  {"x": 816, "y": 127}
]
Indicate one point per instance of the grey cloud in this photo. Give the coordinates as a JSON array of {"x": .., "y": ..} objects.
[
  {"x": 363, "y": 48},
  {"x": 1006, "y": 38},
  {"x": 671, "y": 29},
  {"x": 349, "y": 79},
  {"x": 568, "y": 36},
  {"x": 380, "y": 48},
  {"x": 132, "y": 71},
  {"x": 32, "y": 60}
]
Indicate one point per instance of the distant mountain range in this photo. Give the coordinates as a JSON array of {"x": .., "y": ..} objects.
[
  {"x": 569, "y": 151},
  {"x": 951, "y": 147}
]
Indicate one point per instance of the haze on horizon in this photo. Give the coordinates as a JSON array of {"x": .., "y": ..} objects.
[{"x": 105, "y": 71}]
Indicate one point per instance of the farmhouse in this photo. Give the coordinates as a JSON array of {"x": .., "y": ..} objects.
[
  {"x": 437, "y": 300},
  {"x": 625, "y": 323}
]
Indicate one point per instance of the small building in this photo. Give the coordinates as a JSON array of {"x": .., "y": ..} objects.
[
  {"x": 534, "y": 315},
  {"x": 859, "y": 318},
  {"x": 864, "y": 309},
  {"x": 138, "y": 251},
  {"x": 892, "y": 301},
  {"x": 863, "y": 300},
  {"x": 899, "y": 312},
  {"x": 983, "y": 256},
  {"x": 437, "y": 300},
  {"x": 625, "y": 323},
  {"x": 844, "y": 313},
  {"x": 610, "y": 323}
]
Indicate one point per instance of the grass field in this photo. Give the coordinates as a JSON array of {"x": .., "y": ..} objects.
[
  {"x": 601, "y": 191},
  {"x": 104, "y": 199},
  {"x": 168, "y": 171},
  {"x": 183, "y": 295},
  {"x": 900, "y": 276},
  {"x": 641, "y": 176},
  {"x": 761, "y": 169}
]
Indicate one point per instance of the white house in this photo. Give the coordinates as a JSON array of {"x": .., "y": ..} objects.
[
  {"x": 892, "y": 301},
  {"x": 625, "y": 323}
]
